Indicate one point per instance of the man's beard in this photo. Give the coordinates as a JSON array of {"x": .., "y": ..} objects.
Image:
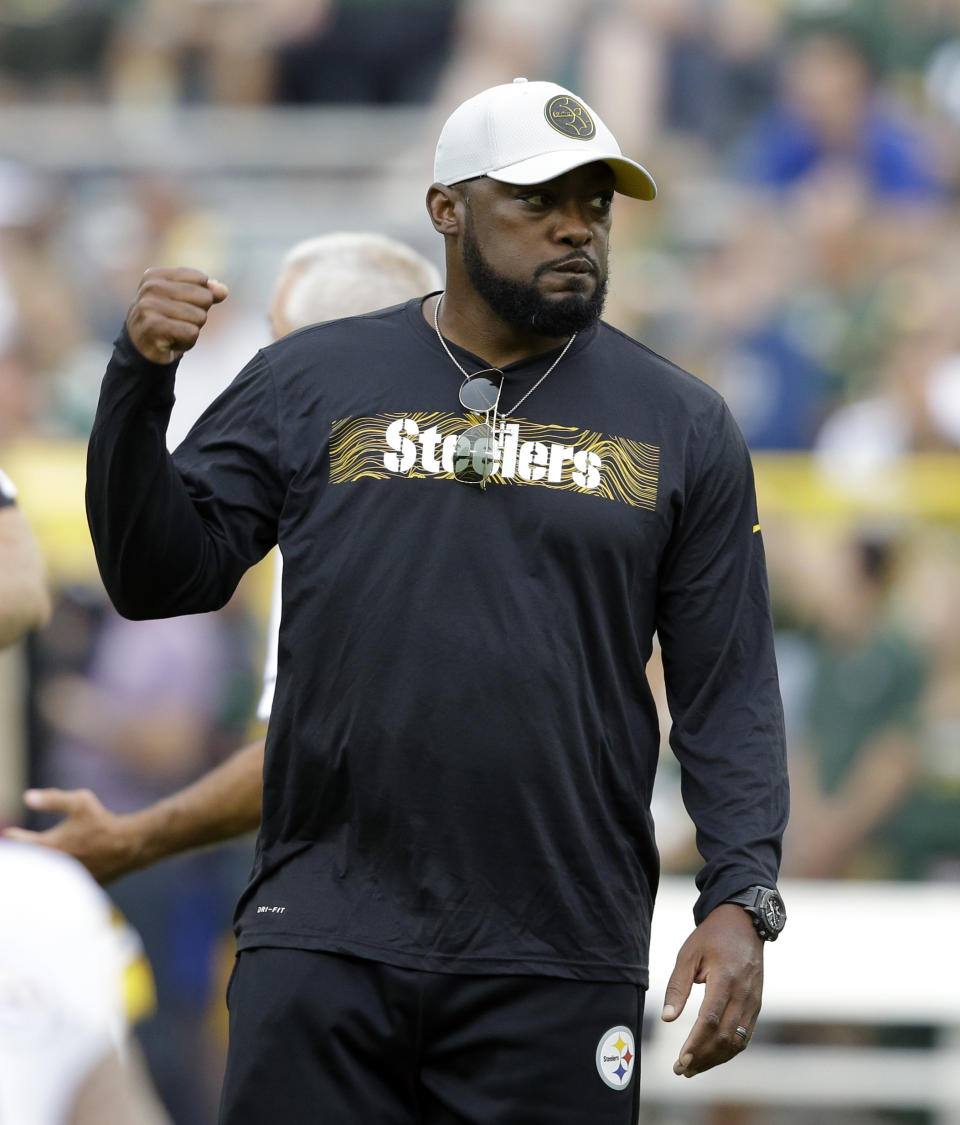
[{"x": 522, "y": 305}]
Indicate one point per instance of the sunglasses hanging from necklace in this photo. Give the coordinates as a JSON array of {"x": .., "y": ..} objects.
[{"x": 474, "y": 459}]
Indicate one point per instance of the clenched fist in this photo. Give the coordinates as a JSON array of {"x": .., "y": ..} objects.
[{"x": 169, "y": 310}]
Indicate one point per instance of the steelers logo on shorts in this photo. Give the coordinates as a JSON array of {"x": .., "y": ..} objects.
[
  {"x": 570, "y": 117},
  {"x": 616, "y": 1057}
]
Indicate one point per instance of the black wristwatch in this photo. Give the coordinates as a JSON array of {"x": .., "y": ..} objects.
[{"x": 765, "y": 907}]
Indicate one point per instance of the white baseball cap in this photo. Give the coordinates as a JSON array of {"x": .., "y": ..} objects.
[{"x": 527, "y": 133}]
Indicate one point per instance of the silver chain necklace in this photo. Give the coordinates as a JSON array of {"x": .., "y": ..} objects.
[{"x": 466, "y": 374}]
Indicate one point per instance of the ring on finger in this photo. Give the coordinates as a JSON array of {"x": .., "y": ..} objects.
[{"x": 743, "y": 1033}]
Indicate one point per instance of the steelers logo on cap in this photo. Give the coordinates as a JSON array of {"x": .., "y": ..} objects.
[
  {"x": 616, "y": 1056},
  {"x": 570, "y": 117}
]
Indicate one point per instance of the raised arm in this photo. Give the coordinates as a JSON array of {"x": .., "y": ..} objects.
[
  {"x": 221, "y": 805},
  {"x": 170, "y": 541}
]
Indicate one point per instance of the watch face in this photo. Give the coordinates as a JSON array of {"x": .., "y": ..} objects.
[{"x": 773, "y": 912}]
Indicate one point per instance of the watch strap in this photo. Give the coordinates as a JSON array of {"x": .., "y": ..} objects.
[{"x": 765, "y": 907}]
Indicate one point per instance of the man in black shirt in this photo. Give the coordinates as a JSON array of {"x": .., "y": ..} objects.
[{"x": 449, "y": 911}]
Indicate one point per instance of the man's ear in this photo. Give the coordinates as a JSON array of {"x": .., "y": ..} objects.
[{"x": 442, "y": 207}]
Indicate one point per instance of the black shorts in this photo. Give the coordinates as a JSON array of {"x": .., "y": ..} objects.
[{"x": 320, "y": 1039}]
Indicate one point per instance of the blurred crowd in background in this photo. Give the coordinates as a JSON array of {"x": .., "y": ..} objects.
[{"x": 803, "y": 257}]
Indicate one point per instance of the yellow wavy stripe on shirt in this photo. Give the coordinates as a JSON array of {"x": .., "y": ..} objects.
[{"x": 630, "y": 473}]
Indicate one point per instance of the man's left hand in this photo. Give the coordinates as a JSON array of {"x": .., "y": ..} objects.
[{"x": 725, "y": 953}]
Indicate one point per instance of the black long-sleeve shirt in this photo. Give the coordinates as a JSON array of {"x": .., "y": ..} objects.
[{"x": 463, "y": 741}]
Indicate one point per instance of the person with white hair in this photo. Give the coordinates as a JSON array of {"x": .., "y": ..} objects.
[
  {"x": 333, "y": 275},
  {"x": 344, "y": 274}
]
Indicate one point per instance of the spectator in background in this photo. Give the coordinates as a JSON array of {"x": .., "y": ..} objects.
[
  {"x": 205, "y": 51},
  {"x": 928, "y": 829},
  {"x": 902, "y": 38},
  {"x": 744, "y": 280},
  {"x": 24, "y": 600},
  {"x": 732, "y": 301},
  {"x": 832, "y": 111},
  {"x": 368, "y": 52},
  {"x": 292, "y": 52},
  {"x": 719, "y": 64},
  {"x": 56, "y": 49},
  {"x": 854, "y": 765},
  {"x": 914, "y": 403},
  {"x": 839, "y": 306},
  {"x": 41, "y": 322}
]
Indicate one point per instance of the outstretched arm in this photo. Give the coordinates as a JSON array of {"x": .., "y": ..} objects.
[{"x": 221, "y": 805}]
